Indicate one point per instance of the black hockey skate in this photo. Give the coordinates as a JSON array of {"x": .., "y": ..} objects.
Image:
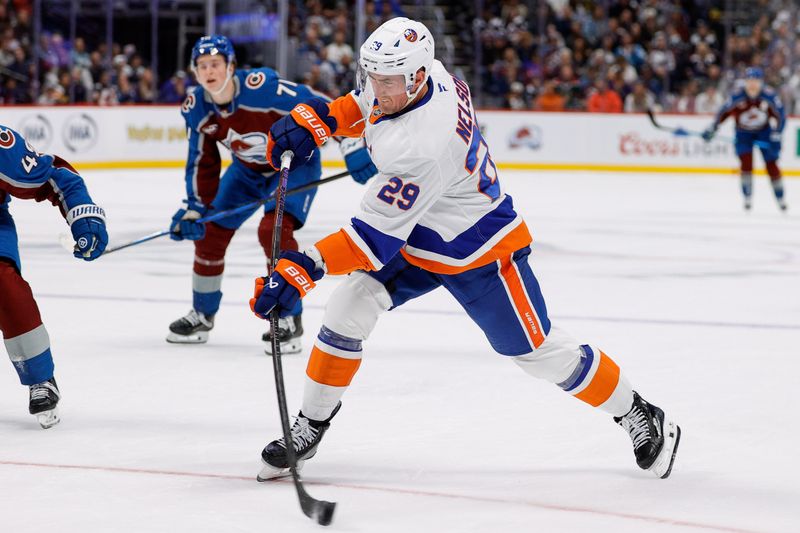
[
  {"x": 43, "y": 404},
  {"x": 655, "y": 437},
  {"x": 306, "y": 436},
  {"x": 191, "y": 329},
  {"x": 290, "y": 334}
]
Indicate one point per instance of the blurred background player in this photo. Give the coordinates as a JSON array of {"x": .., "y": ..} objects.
[
  {"x": 27, "y": 174},
  {"x": 237, "y": 108},
  {"x": 435, "y": 216},
  {"x": 760, "y": 118}
]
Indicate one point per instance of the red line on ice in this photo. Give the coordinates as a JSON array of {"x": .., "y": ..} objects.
[{"x": 411, "y": 492}]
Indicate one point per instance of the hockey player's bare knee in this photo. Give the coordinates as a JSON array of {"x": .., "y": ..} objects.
[{"x": 355, "y": 305}]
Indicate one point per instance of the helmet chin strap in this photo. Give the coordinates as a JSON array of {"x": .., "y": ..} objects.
[
  {"x": 411, "y": 96},
  {"x": 228, "y": 76}
]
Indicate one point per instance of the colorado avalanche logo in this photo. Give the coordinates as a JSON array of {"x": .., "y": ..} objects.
[
  {"x": 528, "y": 136},
  {"x": 255, "y": 80},
  {"x": 188, "y": 103},
  {"x": 410, "y": 35},
  {"x": 249, "y": 147},
  {"x": 754, "y": 118},
  {"x": 7, "y": 138}
]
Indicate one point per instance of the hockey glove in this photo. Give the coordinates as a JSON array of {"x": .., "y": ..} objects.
[
  {"x": 88, "y": 226},
  {"x": 293, "y": 278},
  {"x": 357, "y": 159},
  {"x": 775, "y": 137},
  {"x": 184, "y": 222},
  {"x": 709, "y": 133},
  {"x": 308, "y": 125}
]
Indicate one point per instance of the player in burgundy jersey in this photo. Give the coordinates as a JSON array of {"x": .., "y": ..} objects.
[
  {"x": 236, "y": 108},
  {"x": 29, "y": 175},
  {"x": 760, "y": 120}
]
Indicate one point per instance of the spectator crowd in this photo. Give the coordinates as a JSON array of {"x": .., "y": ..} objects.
[
  {"x": 630, "y": 55},
  {"x": 552, "y": 55}
]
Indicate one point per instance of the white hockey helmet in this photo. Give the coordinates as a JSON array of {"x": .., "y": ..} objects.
[{"x": 399, "y": 46}]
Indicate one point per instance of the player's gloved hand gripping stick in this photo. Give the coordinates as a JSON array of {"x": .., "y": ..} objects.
[{"x": 319, "y": 510}]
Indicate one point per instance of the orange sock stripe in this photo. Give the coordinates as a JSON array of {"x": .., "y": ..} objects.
[
  {"x": 328, "y": 369},
  {"x": 521, "y": 302},
  {"x": 603, "y": 383}
]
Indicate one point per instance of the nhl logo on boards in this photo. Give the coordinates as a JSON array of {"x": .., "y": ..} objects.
[
  {"x": 410, "y": 35},
  {"x": 79, "y": 132},
  {"x": 37, "y": 130}
]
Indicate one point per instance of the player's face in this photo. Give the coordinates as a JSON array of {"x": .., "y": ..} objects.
[
  {"x": 752, "y": 86},
  {"x": 390, "y": 91},
  {"x": 211, "y": 72}
]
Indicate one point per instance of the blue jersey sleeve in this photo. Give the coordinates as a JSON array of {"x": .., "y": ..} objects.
[
  {"x": 21, "y": 166},
  {"x": 27, "y": 174},
  {"x": 776, "y": 108},
  {"x": 203, "y": 163},
  {"x": 727, "y": 108}
]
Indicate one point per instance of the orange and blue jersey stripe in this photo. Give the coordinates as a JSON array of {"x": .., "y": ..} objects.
[{"x": 498, "y": 234}]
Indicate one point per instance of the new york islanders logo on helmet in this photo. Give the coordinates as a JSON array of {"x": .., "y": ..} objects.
[{"x": 410, "y": 35}]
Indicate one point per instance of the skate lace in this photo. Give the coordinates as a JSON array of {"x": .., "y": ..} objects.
[
  {"x": 303, "y": 434},
  {"x": 40, "y": 391},
  {"x": 637, "y": 426},
  {"x": 286, "y": 327},
  {"x": 193, "y": 318}
]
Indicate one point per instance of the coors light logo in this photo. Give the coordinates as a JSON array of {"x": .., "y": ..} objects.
[{"x": 635, "y": 144}]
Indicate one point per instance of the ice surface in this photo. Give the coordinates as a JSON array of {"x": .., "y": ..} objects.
[{"x": 698, "y": 301}]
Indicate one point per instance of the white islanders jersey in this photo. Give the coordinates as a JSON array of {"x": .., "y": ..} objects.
[{"x": 437, "y": 197}]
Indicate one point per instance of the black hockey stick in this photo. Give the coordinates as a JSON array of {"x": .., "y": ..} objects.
[
  {"x": 68, "y": 244},
  {"x": 318, "y": 510},
  {"x": 683, "y": 132}
]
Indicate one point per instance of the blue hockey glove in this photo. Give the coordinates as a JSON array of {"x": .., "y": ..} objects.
[
  {"x": 88, "y": 225},
  {"x": 709, "y": 133},
  {"x": 292, "y": 278},
  {"x": 357, "y": 159},
  {"x": 184, "y": 222},
  {"x": 775, "y": 137},
  {"x": 308, "y": 126},
  {"x": 90, "y": 237}
]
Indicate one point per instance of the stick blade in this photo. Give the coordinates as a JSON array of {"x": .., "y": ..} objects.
[{"x": 319, "y": 510}]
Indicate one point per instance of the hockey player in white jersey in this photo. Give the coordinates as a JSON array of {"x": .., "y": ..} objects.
[{"x": 434, "y": 216}]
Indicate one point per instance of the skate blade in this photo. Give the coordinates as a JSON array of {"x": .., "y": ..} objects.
[
  {"x": 195, "y": 338},
  {"x": 48, "y": 419},
  {"x": 662, "y": 467},
  {"x": 269, "y": 472},
  {"x": 287, "y": 348}
]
